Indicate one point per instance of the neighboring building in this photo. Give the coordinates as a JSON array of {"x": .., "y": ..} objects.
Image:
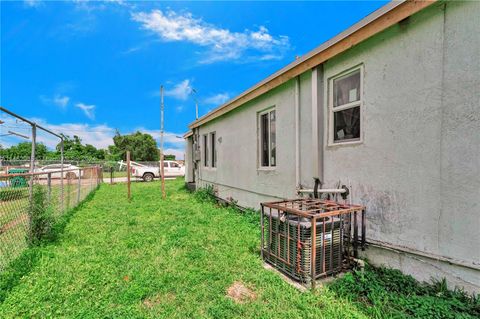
[{"x": 391, "y": 108}]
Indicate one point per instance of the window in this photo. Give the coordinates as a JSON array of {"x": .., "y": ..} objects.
[
  {"x": 214, "y": 149},
  {"x": 165, "y": 164},
  {"x": 268, "y": 153},
  {"x": 345, "y": 101},
  {"x": 205, "y": 150},
  {"x": 174, "y": 164}
]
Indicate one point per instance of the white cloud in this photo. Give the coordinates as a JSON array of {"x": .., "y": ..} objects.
[
  {"x": 96, "y": 5},
  {"x": 179, "y": 153},
  {"x": 168, "y": 137},
  {"x": 61, "y": 101},
  {"x": 180, "y": 91},
  {"x": 57, "y": 99},
  {"x": 89, "y": 110},
  {"x": 217, "y": 99},
  {"x": 33, "y": 3},
  {"x": 222, "y": 44},
  {"x": 100, "y": 136}
]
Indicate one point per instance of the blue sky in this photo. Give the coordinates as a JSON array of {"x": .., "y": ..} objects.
[{"x": 88, "y": 68}]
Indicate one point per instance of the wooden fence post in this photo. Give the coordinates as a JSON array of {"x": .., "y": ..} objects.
[
  {"x": 79, "y": 185},
  {"x": 128, "y": 175}
]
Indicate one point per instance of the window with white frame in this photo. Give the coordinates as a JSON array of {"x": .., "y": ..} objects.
[
  {"x": 267, "y": 147},
  {"x": 345, "y": 103},
  {"x": 205, "y": 150}
]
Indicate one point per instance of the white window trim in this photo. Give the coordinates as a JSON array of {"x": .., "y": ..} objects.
[
  {"x": 260, "y": 167},
  {"x": 331, "y": 112}
]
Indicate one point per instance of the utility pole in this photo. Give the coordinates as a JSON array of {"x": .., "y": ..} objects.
[
  {"x": 162, "y": 170},
  {"x": 196, "y": 103},
  {"x": 196, "y": 109}
]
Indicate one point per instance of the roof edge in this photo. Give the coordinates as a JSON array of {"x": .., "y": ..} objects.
[{"x": 379, "y": 20}]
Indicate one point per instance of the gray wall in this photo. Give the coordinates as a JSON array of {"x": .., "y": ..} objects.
[
  {"x": 238, "y": 174},
  {"x": 189, "y": 174},
  {"x": 417, "y": 169}
]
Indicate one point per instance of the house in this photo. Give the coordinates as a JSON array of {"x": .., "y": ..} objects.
[{"x": 390, "y": 108}]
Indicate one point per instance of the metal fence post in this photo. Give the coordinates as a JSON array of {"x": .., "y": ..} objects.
[
  {"x": 32, "y": 170},
  {"x": 355, "y": 235},
  {"x": 314, "y": 251},
  {"x": 79, "y": 184}
]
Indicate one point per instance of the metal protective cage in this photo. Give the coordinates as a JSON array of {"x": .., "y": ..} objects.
[{"x": 307, "y": 239}]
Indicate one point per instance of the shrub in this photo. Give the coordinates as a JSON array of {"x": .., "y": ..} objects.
[
  {"x": 206, "y": 194},
  {"x": 42, "y": 219},
  {"x": 388, "y": 293}
]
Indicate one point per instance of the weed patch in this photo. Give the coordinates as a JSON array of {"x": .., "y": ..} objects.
[{"x": 387, "y": 293}]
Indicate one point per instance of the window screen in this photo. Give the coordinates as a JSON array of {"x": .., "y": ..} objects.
[{"x": 345, "y": 106}]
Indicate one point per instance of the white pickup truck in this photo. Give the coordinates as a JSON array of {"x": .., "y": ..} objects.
[{"x": 148, "y": 173}]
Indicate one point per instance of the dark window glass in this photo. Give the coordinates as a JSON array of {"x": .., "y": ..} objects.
[
  {"x": 205, "y": 150},
  {"x": 214, "y": 150},
  {"x": 347, "y": 124},
  {"x": 264, "y": 139},
  {"x": 346, "y": 89}
]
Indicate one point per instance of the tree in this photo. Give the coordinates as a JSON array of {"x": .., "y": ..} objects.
[
  {"x": 142, "y": 146},
  {"x": 113, "y": 153},
  {"x": 24, "y": 150},
  {"x": 74, "y": 149},
  {"x": 169, "y": 157}
]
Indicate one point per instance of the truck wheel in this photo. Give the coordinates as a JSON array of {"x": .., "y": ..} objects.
[{"x": 148, "y": 177}]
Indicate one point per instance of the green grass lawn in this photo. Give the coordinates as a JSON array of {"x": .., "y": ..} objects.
[
  {"x": 14, "y": 216},
  {"x": 117, "y": 174},
  {"x": 173, "y": 258}
]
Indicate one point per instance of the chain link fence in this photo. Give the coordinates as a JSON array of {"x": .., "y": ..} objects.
[
  {"x": 31, "y": 203},
  {"x": 111, "y": 169}
]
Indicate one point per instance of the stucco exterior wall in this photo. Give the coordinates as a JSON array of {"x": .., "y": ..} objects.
[
  {"x": 417, "y": 168},
  {"x": 189, "y": 173},
  {"x": 238, "y": 174}
]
